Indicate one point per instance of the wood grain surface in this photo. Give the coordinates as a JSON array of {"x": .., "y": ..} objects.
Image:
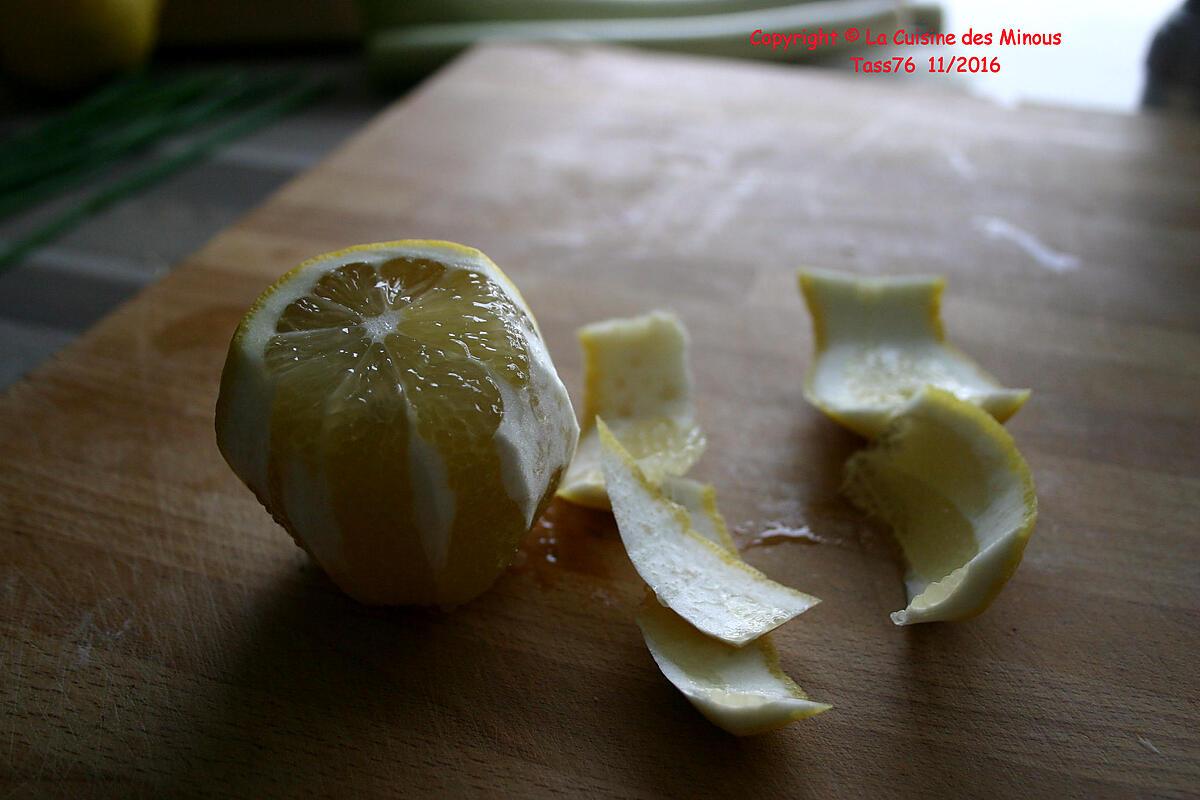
[{"x": 162, "y": 637}]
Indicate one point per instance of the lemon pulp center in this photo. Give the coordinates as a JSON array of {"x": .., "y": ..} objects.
[
  {"x": 388, "y": 397},
  {"x": 380, "y": 325}
]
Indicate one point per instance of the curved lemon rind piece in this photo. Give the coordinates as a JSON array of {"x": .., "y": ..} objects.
[
  {"x": 870, "y": 422},
  {"x": 636, "y": 377},
  {"x": 997, "y": 499},
  {"x": 741, "y": 690},
  {"x": 856, "y": 317},
  {"x": 626, "y": 356},
  {"x": 713, "y": 589},
  {"x": 824, "y": 289}
]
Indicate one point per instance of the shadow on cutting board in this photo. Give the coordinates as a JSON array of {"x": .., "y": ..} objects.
[
  {"x": 933, "y": 709},
  {"x": 320, "y": 696},
  {"x": 308, "y": 695}
]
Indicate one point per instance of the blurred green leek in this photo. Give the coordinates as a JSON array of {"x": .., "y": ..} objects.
[
  {"x": 408, "y": 39},
  {"x": 133, "y": 115}
]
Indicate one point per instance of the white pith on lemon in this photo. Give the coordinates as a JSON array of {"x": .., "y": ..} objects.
[
  {"x": 394, "y": 408},
  {"x": 699, "y": 500},
  {"x": 878, "y": 341},
  {"x": 700, "y": 580},
  {"x": 740, "y": 689},
  {"x": 636, "y": 377},
  {"x": 949, "y": 480}
]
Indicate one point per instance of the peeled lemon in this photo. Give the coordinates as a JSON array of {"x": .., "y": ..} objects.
[
  {"x": 740, "y": 689},
  {"x": 636, "y": 377},
  {"x": 949, "y": 480},
  {"x": 395, "y": 409},
  {"x": 878, "y": 342}
]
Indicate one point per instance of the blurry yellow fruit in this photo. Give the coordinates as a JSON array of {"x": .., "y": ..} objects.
[
  {"x": 67, "y": 44},
  {"x": 878, "y": 342},
  {"x": 697, "y": 578},
  {"x": 394, "y": 408},
  {"x": 949, "y": 480},
  {"x": 636, "y": 377},
  {"x": 740, "y": 689}
]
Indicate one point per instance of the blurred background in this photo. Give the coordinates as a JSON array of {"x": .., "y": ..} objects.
[{"x": 131, "y": 131}]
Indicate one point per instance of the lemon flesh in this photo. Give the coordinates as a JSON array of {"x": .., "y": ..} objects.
[
  {"x": 394, "y": 408},
  {"x": 949, "y": 480},
  {"x": 740, "y": 689},
  {"x": 636, "y": 377},
  {"x": 711, "y": 588},
  {"x": 878, "y": 341}
]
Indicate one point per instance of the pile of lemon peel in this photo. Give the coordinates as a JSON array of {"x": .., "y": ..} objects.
[
  {"x": 707, "y": 618},
  {"x": 942, "y": 471}
]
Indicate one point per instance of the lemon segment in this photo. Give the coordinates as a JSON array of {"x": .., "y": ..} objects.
[
  {"x": 878, "y": 341},
  {"x": 740, "y": 689},
  {"x": 394, "y": 408},
  {"x": 700, "y": 580},
  {"x": 949, "y": 480},
  {"x": 636, "y": 377}
]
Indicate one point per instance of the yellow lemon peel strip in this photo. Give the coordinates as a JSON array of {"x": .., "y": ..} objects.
[
  {"x": 949, "y": 480},
  {"x": 711, "y": 588},
  {"x": 636, "y": 377},
  {"x": 741, "y": 690},
  {"x": 878, "y": 341}
]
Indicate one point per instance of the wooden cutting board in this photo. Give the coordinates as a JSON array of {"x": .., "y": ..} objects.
[{"x": 162, "y": 637}]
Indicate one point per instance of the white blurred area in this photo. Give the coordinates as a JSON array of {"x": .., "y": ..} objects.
[{"x": 1099, "y": 65}]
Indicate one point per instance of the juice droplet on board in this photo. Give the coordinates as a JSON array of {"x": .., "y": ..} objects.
[
  {"x": 776, "y": 533},
  {"x": 567, "y": 538}
]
